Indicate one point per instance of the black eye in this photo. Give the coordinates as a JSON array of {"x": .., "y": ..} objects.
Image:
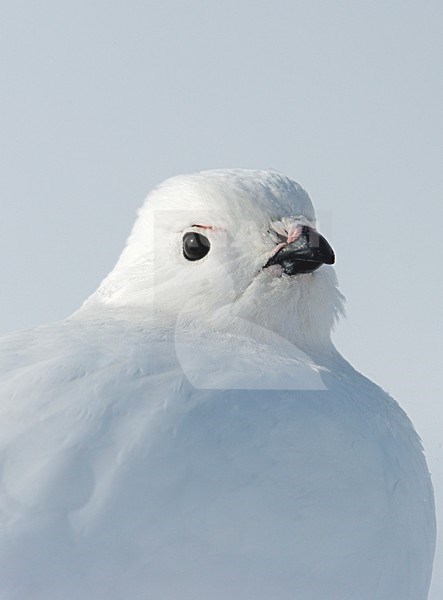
[{"x": 195, "y": 245}]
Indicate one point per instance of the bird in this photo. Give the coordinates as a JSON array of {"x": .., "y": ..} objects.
[{"x": 191, "y": 431}]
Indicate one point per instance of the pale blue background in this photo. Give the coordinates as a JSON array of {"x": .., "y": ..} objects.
[{"x": 101, "y": 100}]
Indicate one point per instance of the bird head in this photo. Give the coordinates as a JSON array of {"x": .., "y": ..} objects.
[{"x": 224, "y": 247}]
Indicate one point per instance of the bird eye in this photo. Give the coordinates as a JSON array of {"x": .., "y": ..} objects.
[{"x": 195, "y": 245}]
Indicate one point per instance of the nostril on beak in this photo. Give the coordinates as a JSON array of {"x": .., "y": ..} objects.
[
  {"x": 294, "y": 233},
  {"x": 306, "y": 253}
]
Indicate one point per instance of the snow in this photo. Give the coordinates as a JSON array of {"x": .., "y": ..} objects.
[{"x": 191, "y": 432}]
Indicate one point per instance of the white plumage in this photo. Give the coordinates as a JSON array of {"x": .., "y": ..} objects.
[{"x": 192, "y": 433}]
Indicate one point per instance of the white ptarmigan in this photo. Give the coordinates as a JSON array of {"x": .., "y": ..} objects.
[{"x": 191, "y": 433}]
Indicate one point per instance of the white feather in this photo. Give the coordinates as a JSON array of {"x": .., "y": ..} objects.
[{"x": 191, "y": 432}]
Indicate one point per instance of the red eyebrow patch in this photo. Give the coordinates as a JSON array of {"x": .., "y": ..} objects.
[{"x": 204, "y": 226}]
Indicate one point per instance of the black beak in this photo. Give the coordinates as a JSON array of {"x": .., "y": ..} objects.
[{"x": 305, "y": 255}]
